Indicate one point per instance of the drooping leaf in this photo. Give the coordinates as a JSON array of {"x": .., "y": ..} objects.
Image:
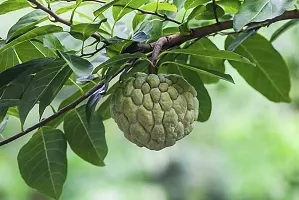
[
  {"x": 12, "y": 5},
  {"x": 80, "y": 66},
  {"x": 199, "y": 69},
  {"x": 41, "y": 84},
  {"x": 260, "y": 10},
  {"x": 104, "y": 108},
  {"x": 283, "y": 29},
  {"x": 86, "y": 140},
  {"x": 208, "y": 53},
  {"x": 43, "y": 163},
  {"x": 270, "y": 76}
]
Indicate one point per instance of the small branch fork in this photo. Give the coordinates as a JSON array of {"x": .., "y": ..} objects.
[{"x": 156, "y": 47}]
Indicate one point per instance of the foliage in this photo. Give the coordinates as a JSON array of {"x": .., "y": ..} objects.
[{"x": 38, "y": 58}]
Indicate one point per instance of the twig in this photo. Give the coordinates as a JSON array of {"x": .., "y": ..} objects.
[
  {"x": 215, "y": 11},
  {"x": 157, "y": 49},
  {"x": 56, "y": 17}
]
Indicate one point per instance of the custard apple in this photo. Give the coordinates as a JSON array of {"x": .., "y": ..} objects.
[{"x": 154, "y": 111}]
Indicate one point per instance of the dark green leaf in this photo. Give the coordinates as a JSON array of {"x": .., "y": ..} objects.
[
  {"x": 5, "y": 103},
  {"x": 80, "y": 66},
  {"x": 40, "y": 84},
  {"x": 270, "y": 76},
  {"x": 43, "y": 163},
  {"x": 86, "y": 140},
  {"x": 260, "y": 10},
  {"x": 83, "y": 31},
  {"x": 104, "y": 108},
  {"x": 283, "y": 29}
]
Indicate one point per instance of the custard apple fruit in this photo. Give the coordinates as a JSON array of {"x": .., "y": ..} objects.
[{"x": 154, "y": 111}]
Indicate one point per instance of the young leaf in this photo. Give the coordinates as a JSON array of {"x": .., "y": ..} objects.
[
  {"x": 43, "y": 163},
  {"x": 208, "y": 53},
  {"x": 80, "y": 66},
  {"x": 86, "y": 140},
  {"x": 260, "y": 10},
  {"x": 156, "y": 6},
  {"x": 271, "y": 76}
]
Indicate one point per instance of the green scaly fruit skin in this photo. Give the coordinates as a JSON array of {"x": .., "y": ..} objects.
[{"x": 155, "y": 111}]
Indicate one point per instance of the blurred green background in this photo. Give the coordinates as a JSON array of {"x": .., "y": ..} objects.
[{"x": 249, "y": 149}]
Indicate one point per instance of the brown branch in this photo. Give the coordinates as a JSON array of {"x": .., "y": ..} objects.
[
  {"x": 178, "y": 39},
  {"x": 56, "y": 17}
]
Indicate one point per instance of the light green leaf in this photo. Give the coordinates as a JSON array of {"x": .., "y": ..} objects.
[
  {"x": 43, "y": 163},
  {"x": 271, "y": 76},
  {"x": 260, "y": 10},
  {"x": 80, "y": 66},
  {"x": 208, "y": 53},
  {"x": 192, "y": 4},
  {"x": 124, "y": 7},
  {"x": 12, "y": 5},
  {"x": 104, "y": 7},
  {"x": 230, "y": 6},
  {"x": 86, "y": 140},
  {"x": 152, "y": 6}
]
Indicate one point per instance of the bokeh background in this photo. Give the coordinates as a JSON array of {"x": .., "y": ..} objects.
[{"x": 249, "y": 149}]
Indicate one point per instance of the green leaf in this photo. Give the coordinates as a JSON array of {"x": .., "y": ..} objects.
[
  {"x": 192, "y": 4},
  {"x": 103, "y": 8},
  {"x": 124, "y": 7},
  {"x": 208, "y": 53},
  {"x": 117, "y": 59},
  {"x": 80, "y": 66},
  {"x": 53, "y": 88},
  {"x": 43, "y": 163},
  {"x": 271, "y": 76},
  {"x": 230, "y": 6},
  {"x": 86, "y": 140},
  {"x": 40, "y": 85},
  {"x": 83, "y": 31},
  {"x": 39, "y": 31},
  {"x": 104, "y": 108},
  {"x": 240, "y": 39},
  {"x": 156, "y": 6},
  {"x": 25, "y": 24},
  {"x": 12, "y": 5},
  {"x": 5, "y": 103},
  {"x": 205, "y": 104},
  {"x": 199, "y": 69},
  {"x": 283, "y": 29},
  {"x": 260, "y": 10},
  {"x": 208, "y": 63}
]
